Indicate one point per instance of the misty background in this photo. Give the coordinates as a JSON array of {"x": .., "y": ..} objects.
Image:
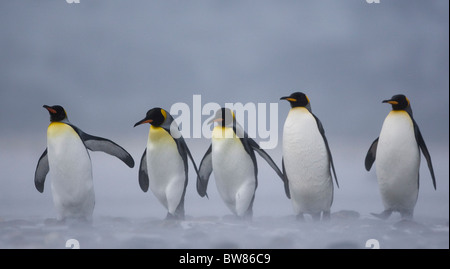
[{"x": 108, "y": 62}]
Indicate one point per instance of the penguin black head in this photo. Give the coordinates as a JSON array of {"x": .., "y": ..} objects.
[
  {"x": 297, "y": 99},
  {"x": 57, "y": 113},
  {"x": 155, "y": 116},
  {"x": 225, "y": 116},
  {"x": 398, "y": 102}
]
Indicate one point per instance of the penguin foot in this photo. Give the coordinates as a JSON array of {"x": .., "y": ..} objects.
[
  {"x": 406, "y": 215},
  {"x": 170, "y": 217},
  {"x": 383, "y": 215},
  {"x": 248, "y": 216},
  {"x": 171, "y": 221},
  {"x": 79, "y": 222},
  {"x": 315, "y": 216},
  {"x": 326, "y": 216},
  {"x": 300, "y": 217},
  {"x": 54, "y": 222}
]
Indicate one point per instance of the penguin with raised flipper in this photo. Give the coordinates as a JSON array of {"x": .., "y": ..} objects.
[{"x": 69, "y": 164}]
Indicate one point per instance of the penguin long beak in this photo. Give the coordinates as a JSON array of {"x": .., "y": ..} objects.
[
  {"x": 142, "y": 122},
  {"x": 290, "y": 99},
  {"x": 215, "y": 120},
  {"x": 51, "y": 110},
  {"x": 392, "y": 102}
]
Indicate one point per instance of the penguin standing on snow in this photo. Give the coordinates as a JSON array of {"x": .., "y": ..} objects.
[
  {"x": 164, "y": 164},
  {"x": 307, "y": 160},
  {"x": 231, "y": 156},
  {"x": 397, "y": 151},
  {"x": 68, "y": 161}
]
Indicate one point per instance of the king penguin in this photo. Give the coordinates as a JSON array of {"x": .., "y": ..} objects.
[
  {"x": 307, "y": 160},
  {"x": 69, "y": 163},
  {"x": 397, "y": 151},
  {"x": 231, "y": 156},
  {"x": 164, "y": 164}
]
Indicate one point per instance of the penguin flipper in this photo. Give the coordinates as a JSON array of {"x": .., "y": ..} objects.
[
  {"x": 371, "y": 154},
  {"x": 322, "y": 132},
  {"x": 41, "y": 172},
  {"x": 190, "y": 157},
  {"x": 423, "y": 147},
  {"x": 185, "y": 153},
  {"x": 239, "y": 132},
  {"x": 204, "y": 172},
  {"x": 96, "y": 143},
  {"x": 171, "y": 127},
  {"x": 285, "y": 180},
  {"x": 143, "y": 173},
  {"x": 266, "y": 157}
]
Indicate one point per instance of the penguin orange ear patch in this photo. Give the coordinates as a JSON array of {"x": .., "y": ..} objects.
[{"x": 163, "y": 112}]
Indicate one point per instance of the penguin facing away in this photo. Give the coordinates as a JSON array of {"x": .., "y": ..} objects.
[
  {"x": 307, "y": 160},
  {"x": 164, "y": 163},
  {"x": 397, "y": 151},
  {"x": 68, "y": 161},
  {"x": 231, "y": 156}
]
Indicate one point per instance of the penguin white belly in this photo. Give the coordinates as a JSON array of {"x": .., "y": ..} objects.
[
  {"x": 397, "y": 162},
  {"x": 306, "y": 163},
  {"x": 71, "y": 172},
  {"x": 165, "y": 168},
  {"x": 233, "y": 170}
]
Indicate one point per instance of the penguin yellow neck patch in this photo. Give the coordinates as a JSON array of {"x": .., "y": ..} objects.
[
  {"x": 58, "y": 128},
  {"x": 300, "y": 109},
  {"x": 220, "y": 132},
  {"x": 399, "y": 112},
  {"x": 157, "y": 133}
]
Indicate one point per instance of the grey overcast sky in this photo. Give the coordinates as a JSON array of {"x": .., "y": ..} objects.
[{"x": 109, "y": 61}]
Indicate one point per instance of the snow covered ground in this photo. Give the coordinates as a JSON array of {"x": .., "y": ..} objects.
[
  {"x": 125, "y": 217},
  {"x": 346, "y": 230}
]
